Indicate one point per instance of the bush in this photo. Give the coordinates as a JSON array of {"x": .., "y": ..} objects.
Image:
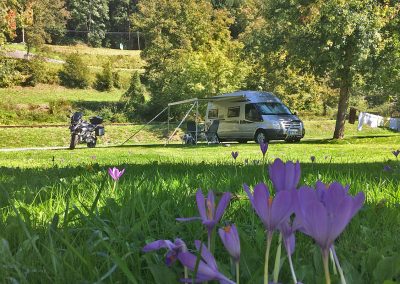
[
  {"x": 104, "y": 81},
  {"x": 116, "y": 80},
  {"x": 133, "y": 97},
  {"x": 9, "y": 74},
  {"x": 75, "y": 73}
]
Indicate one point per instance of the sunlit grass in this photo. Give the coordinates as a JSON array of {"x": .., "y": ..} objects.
[{"x": 55, "y": 231}]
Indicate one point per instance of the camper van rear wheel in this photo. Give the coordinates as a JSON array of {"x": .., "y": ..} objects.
[{"x": 261, "y": 137}]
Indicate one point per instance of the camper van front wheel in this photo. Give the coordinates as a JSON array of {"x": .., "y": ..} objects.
[{"x": 261, "y": 137}]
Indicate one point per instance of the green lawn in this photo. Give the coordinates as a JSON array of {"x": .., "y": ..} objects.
[
  {"x": 50, "y": 234},
  {"x": 61, "y": 221},
  {"x": 43, "y": 94},
  {"x": 115, "y": 135}
]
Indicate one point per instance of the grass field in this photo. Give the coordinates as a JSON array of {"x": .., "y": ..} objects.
[
  {"x": 128, "y": 59},
  {"x": 61, "y": 221},
  {"x": 115, "y": 135}
]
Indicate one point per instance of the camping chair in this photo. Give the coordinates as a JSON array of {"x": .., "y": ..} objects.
[
  {"x": 211, "y": 133},
  {"x": 190, "y": 135}
]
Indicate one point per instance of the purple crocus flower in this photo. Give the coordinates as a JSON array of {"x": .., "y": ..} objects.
[
  {"x": 230, "y": 238},
  {"x": 272, "y": 211},
  {"x": 396, "y": 153},
  {"x": 284, "y": 176},
  {"x": 312, "y": 158},
  {"x": 235, "y": 155},
  {"x": 207, "y": 269},
  {"x": 208, "y": 214},
  {"x": 263, "y": 148},
  {"x": 325, "y": 212},
  {"x": 387, "y": 168},
  {"x": 115, "y": 173},
  {"x": 174, "y": 248}
]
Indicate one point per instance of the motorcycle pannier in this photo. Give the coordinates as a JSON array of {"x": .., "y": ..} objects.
[
  {"x": 99, "y": 131},
  {"x": 96, "y": 120}
]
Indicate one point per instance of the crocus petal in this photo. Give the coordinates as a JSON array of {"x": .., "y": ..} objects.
[
  {"x": 210, "y": 203},
  {"x": 188, "y": 219},
  {"x": 261, "y": 198},
  {"x": 281, "y": 208},
  {"x": 358, "y": 202},
  {"x": 189, "y": 260},
  {"x": 275, "y": 174},
  {"x": 284, "y": 176},
  {"x": 210, "y": 224},
  {"x": 249, "y": 194},
  {"x": 201, "y": 204},
  {"x": 156, "y": 245},
  {"x": 230, "y": 238},
  {"x": 170, "y": 258},
  {"x": 206, "y": 255},
  {"x": 223, "y": 203},
  {"x": 316, "y": 223},
  {"x": 339, "y": 219}
]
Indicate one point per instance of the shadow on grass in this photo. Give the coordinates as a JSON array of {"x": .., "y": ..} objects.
[
  {"x": 87, "y": 244},
  {"x": 24, "y": 184}
]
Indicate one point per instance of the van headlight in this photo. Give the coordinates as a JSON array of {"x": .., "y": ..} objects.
[{"x": 276, "y": 125}]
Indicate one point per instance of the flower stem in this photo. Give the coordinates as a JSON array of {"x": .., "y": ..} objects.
[
  {"x": 333, "y": 262},
  {"x": 237, "y": 272},
  {"x": 115, "y": 185},
  {"x": 185, "y": 271},
  {"x": 291, "y": 268},
  {"x": 325, "y": 260},
  {"x": 269, "y": 239},
  {"x": 277, "y": 259},
  {"x": 342, "y": 279}
]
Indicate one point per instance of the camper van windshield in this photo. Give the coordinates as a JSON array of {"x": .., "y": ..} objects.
[{"x": 272, "y": 108}]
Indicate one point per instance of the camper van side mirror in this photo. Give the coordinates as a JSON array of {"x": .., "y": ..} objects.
[{"x": 295, "y": 113}]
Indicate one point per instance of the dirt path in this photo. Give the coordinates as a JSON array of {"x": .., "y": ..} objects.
[
  {"x": 32, "y": 149},
  {"x": 22, "y": 55}
]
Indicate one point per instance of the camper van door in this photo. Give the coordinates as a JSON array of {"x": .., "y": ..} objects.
[{"x": 229, "y": 127}]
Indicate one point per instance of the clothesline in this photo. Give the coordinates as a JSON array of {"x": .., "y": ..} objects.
[{"x": 374, "y": 121}]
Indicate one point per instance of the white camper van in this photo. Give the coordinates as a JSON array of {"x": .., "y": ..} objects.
[{"x": 251, "y": 115}]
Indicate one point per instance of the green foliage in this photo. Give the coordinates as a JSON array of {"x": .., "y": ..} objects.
[
  {"x": 40, "y": 19},
  {"x": 9, "y": 74},
  {"x": 198, "y": 60},
  {"x": 134, "y": 98},
  {"x": 332, "y": 40},
  {"x": 92, "y": 16},
  {"x": 105, "y": 80},
  {"x": 74, "y": 73}
]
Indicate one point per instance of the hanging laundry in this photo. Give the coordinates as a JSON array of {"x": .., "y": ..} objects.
[
  {"x": 394, "y": 123},
  {"x": 370, "y": 119}
]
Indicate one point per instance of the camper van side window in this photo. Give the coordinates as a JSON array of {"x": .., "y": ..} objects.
[
  {"x": 233, "y": 111},
  {"x": 213, "y": 113}
]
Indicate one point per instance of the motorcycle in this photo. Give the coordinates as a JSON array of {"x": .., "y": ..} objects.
[{"x": 85, "y": 132}]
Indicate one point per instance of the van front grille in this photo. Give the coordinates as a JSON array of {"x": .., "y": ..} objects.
[{"x": 291, "y": 125}]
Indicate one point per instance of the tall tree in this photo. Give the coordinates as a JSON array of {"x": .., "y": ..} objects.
[
  {"x": 90, "y": 16},
  {"x": 8, "y": 18},
  {"x": 38, "y": 19},
  {"x": 119, "y": 23},
  {"x": 331, "y": 39},
  {"x": 189, "y": 50}
]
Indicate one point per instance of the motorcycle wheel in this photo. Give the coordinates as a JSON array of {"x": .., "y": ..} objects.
[
  {"x": 74, "y": 141},
  {"x": 91, "y": 144}
]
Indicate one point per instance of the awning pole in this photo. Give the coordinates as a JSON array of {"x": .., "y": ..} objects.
[
  {"x": 169, "y": 114},
  {"x": 197, "y": 118},
  {"x": 145, "y": 125},
  {"x": 176, "y": 129}
]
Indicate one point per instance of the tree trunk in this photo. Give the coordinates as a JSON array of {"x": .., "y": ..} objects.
[{"x": 341, "y": 113}]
